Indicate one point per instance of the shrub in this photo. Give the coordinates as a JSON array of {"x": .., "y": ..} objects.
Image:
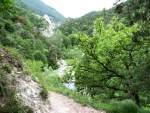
[
  {"x": 126, "y": 106},
  {"x": 26, "y": 35},
  {"x": 7, "y": 41},
  {"x": 6, "y": 4},
  {"x": 5, "y": 89},
  {"x": 9, "y": 27},
  {"x": 6, "y": 68},
  {"x": 14, "y": 106},
  {"x": 28, "y": 109},
  {"x": 143, "y": 111},
  {"x": 1, "y": 57},
  {"x": 44, "y": 94},
  {"x": 39, "y": 56},
  {"x": 14, "y": 53}
]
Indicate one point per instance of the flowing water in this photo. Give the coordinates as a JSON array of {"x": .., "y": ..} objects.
[{"x": 63, "y": 68}]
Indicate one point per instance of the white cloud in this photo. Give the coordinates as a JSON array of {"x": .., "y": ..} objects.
[{"x": 77, "y": 8}]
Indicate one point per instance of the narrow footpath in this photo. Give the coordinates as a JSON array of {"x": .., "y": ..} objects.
[{"x": 63, "y": 104}]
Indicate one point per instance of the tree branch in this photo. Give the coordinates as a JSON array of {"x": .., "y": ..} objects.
[{"x": 105, "y": 67}]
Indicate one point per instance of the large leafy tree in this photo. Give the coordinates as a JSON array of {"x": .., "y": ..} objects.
[
  {"x": 5, "y": 4},
  {"x": 136, "y": 11},
  {"x": 112, "y": 61}
]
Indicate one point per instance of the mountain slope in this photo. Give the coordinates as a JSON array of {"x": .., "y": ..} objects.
[
  {"x": 41, "y": 8},
  {"x": 85, "y": 23}
]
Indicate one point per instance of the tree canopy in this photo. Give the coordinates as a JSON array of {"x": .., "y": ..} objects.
[
  {"x": 6, "y": 4},
  {"x": 112, "y": 59}
]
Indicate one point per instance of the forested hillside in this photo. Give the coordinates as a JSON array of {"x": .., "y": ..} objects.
[
  {"x": 21, "y": 40},
  {"x": 101, "y": 59},
  {"x": 85, "y": 23},
  {"x": 40, "y": 8}
]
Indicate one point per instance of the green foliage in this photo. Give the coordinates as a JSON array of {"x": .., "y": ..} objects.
[
  {"x": 26, "y": 35},
  {"x": 40, "y": 74},
  {"x": 42, "y": 9},
  {"x": 6, "y": 68},
  {"x": 44, "y": 93},
  {"x": 133, "y": 13},
  {"x": 37, "y": 55},
  {"x": 14, "y": 52},
  {"x": 85, "y": 23},
  {"x": 72, "y": 53},
  {"x": 20, "y": 29},
  {"x": 142, "y": 110},
  {"x": 126, "y": 106},
  {"x": 33, "y": 67},
  {"x": 3, "y": 87},
  {"x": 9, "y": 27},
  {"x": 5, "y": 4},
  {"x": 111, "y": 61},
  {"x": 52, "y": 57},
  {"x": 14, "y": 106},
  {"x": 7, "y": 41},
  {"x": 1, "y": 58}
]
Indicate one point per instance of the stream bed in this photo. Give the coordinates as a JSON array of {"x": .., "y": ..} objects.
[{"x": 63, "y": 67}]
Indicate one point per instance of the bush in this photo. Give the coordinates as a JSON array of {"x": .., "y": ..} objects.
[
  {"x": 44, "y": 94},
  {"x": 7, "y": 41},
  {"x": 5, "y": 89},
  {"x": 143, "y": 111},
  {"x": 1, "y": 58},
  {"x": 39, "y": 57},
  {"x": 126, "y": 106},
  {"x": 9, "y": 27},
  {"x": 26, "y": 35},
  {"x": 6, "y": 68},
  {"x": 14, "y": 106}
]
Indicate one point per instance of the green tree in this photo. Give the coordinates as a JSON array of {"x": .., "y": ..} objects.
[
  {"x": 6, "y": 4},
  {"x": 111, "y": 61},
  {"x": 53, "y": 56}
]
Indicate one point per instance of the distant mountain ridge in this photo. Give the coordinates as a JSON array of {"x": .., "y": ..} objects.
[{"x": 41, "y": 8}]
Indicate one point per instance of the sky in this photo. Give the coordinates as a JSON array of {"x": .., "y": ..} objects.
[{"x": 77, "y": 8}]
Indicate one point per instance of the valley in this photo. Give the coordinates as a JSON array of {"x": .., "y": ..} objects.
[{"x": 97, "y": 63}]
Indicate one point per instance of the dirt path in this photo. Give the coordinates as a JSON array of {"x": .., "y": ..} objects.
[{"x": 63, "y": 104}]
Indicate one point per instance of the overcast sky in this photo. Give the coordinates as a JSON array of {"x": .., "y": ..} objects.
[{"x": 77, "y": 8}]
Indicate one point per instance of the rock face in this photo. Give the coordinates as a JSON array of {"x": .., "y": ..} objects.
[
  {"x": 26, "y": 89},
  {"x": 29, "y": 92},
  {"x": 49, "y": 31}
]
